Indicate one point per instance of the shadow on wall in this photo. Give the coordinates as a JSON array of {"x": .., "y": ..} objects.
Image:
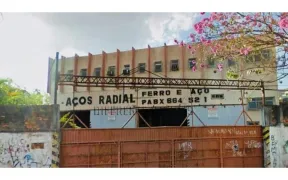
[{"x": 216, "y": 116}]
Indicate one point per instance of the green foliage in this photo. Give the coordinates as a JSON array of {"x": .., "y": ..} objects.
[
  {"x": 10, "y": 94},
  {"x": 70, "y": 124},
  {"x": 232, "y": 75}
]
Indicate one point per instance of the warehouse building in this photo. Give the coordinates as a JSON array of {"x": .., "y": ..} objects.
[{"x": 114, "y": 107}]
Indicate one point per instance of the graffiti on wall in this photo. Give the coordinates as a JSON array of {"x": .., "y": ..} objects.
[
  {"x": 274, "y": 151},
  {"x": 25, "y": 150},
  {"x": 253, "y": 144},
  {"x": 231, "y": 131},
  {"x": 185, "y": 148},
  {"x": 234, "y": 146},
  {"x": 279, "y": 147},
  {"x": 285, "y": 150}
]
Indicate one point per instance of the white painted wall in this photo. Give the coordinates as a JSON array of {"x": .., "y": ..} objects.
[
  {"x": 230, "y": 97},
  {"x": 279, "y": 147},
  {"x": 16, "y": 150}
]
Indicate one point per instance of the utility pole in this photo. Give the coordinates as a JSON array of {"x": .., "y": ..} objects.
[{"x": 56, "y": 77}]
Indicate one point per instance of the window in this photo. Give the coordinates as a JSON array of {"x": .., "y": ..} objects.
[
  {"x": 126, "y": 70},
  {"x": 174, "y": 65},
  {"x": 158, "y": 66},
  {"x": 97, "y": 72},
  {"x": 142, "y": 67},
  {"x": 217, "y": 96},
  {"x": 127, "y": 67},
  {"x": 191, "y": 62},
  {"x": 231, "y": 62},
  {"x": 256, "y": 103},
  {"x": 70, "y": 72},
  {"x": 83, "y": 72},
  {"x": 285, "y": 111},
  {"x": 250, "y": 58},
  {"x": 257, "y": 57},
  {"x": 263, "y": 55},
  {"x": 211, "y": 62},
  {"x": 266, "y": 54},
  {"x": 111, "y": 71}
]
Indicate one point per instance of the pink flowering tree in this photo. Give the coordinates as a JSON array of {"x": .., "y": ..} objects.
[{"x": 241, "y": 37}]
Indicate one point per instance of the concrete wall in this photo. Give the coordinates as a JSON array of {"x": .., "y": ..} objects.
[
  {"x": 26, "y": 150},
  {"x": 112, "y": 118},
  {"x": 216, "y": 116},
  {"x": 278, "y": 147},
  {"x": 65, "y": 65}
]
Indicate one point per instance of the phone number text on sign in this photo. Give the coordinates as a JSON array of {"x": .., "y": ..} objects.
[{"x": 195, "y": 97}]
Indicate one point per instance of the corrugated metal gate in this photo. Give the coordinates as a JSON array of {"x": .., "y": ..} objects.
[{"x": 163, "y": 147}]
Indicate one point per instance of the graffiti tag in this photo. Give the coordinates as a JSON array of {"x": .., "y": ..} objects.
[
  {"x": 231, "y": 131},
  {"x": 233, "y": 144},
  {"x": 274, "y": 151},
  {"x": 253, "y": 144},
  {"x": 185, "y": 148}
]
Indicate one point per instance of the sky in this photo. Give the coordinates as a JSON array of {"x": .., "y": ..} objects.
[{"x": 29, "y": 39}]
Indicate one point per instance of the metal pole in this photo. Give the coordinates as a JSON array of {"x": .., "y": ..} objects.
[
  {"x": 263, "y": 93},
  {"x": 55, "y": 103},
  {"x": 243, "y": 109},
  {"x": 56, "y": 78}
]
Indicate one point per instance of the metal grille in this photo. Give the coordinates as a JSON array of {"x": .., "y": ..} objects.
[
  {"x": 185, "y": 147},
  {"x": 156, "y": 82}
]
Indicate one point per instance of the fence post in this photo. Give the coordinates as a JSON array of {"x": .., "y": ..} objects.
[
  {"x": 89, "y": 152},
  {"x": 173, "y": 153},
  {"x": 119, "y": 154},
  {"x": 221, "y": 152}
]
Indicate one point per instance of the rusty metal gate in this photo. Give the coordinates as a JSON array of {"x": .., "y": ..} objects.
[{"x": 219, "y": 146}]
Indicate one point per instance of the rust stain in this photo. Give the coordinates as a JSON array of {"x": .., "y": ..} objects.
[
  {"x": 149, "y": 61},
  {"x": 103, "y": 66},
  {"x": 89, "y": 69},
  {"x": 165, "y": 59},
  {"x": 118, "y": 65},
  {"x": 133, "y": 61},
  {"x": 162, "y": 147},
  {"x": 76, "y": 60}
]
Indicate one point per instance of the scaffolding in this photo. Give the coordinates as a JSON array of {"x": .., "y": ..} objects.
[
  {"x": 168, "y": 83},
  {"x": 140, "y": 82}
]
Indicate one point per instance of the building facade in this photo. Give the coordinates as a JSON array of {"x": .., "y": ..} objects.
[{"x": 104, "y": 107}]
